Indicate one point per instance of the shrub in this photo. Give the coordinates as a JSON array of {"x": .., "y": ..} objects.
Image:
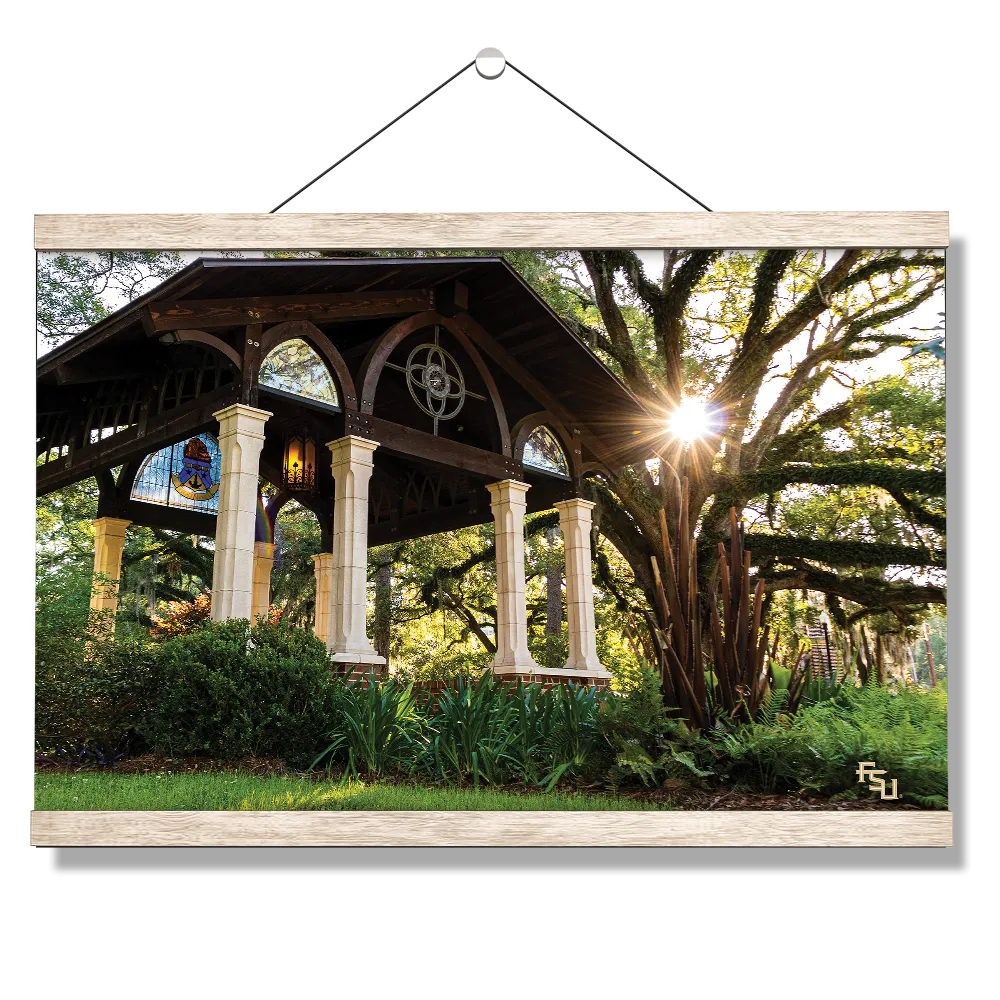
[
  {"x": 642, "y": 741},
  {"x": 232, "y": 691},
  {"x": 90, "y": 696},
  {"x": 181, "y": 617}
]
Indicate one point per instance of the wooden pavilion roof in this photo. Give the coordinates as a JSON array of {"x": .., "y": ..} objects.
[
  {"x": 501, "y": 300},
  {"x": 97, "y": 409}
]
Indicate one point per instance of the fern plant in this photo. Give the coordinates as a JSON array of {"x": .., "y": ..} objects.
[{"x": 904, "y": 730}]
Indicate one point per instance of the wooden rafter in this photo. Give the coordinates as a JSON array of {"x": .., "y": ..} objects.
[{"x": 202, "y": 313}]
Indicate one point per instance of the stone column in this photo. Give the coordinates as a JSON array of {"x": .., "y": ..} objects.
[
  {"x": 263, "y": 562},
  {"x": 346, "y": 639},
  {"x": 574, "y": 521},
  {"x": 508, "y": 505},
  {"x": 323, "y": 568},
  {"x": 241, "y": 437},
  {"x": 109, "y": 540}
]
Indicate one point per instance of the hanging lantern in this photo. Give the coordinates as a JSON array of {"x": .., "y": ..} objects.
[{"x": 299, "y": 471}]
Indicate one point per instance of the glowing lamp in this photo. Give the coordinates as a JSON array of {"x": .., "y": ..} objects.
[{"x": 299, "y": 472}]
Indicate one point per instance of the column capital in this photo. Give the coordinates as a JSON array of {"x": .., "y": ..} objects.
[
  {"x": 322, "y": 558},
  {"x": 351, "y": 448},
  {"x": 508, "y": 490},
  {"x": 111, "y": 525},
  {"x": 238, "y": 418},
  {"x": 577, "y": 504},
  {"x": 265, "y": 549}
]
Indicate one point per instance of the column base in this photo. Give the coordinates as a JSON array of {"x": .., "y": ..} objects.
[
  {"x": 372, "y": 658},
  {"x": 547, "y": 676}
]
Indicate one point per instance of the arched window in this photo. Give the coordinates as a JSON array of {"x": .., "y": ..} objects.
[
  {"x": 542, "y": 451},
  {"x": 185, "y": 474},
  {"x": 294, "y": 367}
]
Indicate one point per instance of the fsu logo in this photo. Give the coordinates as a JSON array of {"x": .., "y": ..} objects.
[{"x": 194, "y": 481}]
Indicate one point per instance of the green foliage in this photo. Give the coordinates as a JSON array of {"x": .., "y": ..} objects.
[
  {"x": 90, "y": 694},
  {"x": 576, "y": 732},
  {"x": 903, "y": 729},
  {"x": 74, "y": 291},
  {"x": 643, "y": 740},
  {"x": 293, "y": 578},
  {"x": 231, "y": 691},
  {"x": 474, "y": 727},
  {"x": 480, "y": 730},
  {"x": 378, "y": 729},
  {"x": 181, "y": 617}
]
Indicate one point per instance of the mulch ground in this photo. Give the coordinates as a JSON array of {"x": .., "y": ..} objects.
[{"x": 678, "y": 794}]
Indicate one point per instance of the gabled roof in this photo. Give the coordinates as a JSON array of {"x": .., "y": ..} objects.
[{"x": 499, "y": 300}]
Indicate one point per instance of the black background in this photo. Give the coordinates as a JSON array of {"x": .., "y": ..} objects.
[{"x": 232, "y": 125}]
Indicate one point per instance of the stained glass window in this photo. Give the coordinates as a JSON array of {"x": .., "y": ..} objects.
[
  {"x": 185, "y": 474},
  {"x": 543, "y": 451},
  {"x": 296, "y": 368}
]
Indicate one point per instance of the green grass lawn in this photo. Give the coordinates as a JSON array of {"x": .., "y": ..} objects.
[{"x": 235, "y": 791}]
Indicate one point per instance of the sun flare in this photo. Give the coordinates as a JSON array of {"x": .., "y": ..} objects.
[{"x": 690, "y": 421}]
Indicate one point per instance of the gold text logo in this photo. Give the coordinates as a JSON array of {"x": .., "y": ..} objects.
[{"x": 867, "y": 772}]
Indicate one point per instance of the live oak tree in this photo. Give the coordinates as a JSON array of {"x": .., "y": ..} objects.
[{"x": 843, "y": 491}]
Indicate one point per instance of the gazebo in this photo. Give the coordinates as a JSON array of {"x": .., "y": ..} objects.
[{"x": 442, "y": 391}]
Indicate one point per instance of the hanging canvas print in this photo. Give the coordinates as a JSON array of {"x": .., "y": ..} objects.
[{"x": 348, "y": 545}]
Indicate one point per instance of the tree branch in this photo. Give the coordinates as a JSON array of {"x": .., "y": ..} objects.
[
  {"x": 602, "y": 275},
  {"x": 840, "y": 552},
  {"x": 918, "y": 512},
  {"x": 749, "y": 367},
  {"x": 872, "y": 594},
  {"x": 668, "y": 316},
  {"x": 888, "y": 477}
]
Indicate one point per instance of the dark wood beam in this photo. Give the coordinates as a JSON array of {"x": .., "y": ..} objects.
[
  {"x": 489, "y": 346},
  {"x": 250, "y": 365},
  {"x": 429, "y": 523},
  {"x": 545, "y": 491},
  {"x": 80, "y": 373},
  {"x": 209, "y": 340},
  {"x": 401, "y": 440},
  {"x": 155, "y": 515},
  {"x": 451, "y": 297},
  {"x": 541, "y": 496},
  {"x": 202, "y": 313},
  {"x": 161, "y": 430},
  {"x": 545, "y": 340},
  {"x": 83, "y": 342}
]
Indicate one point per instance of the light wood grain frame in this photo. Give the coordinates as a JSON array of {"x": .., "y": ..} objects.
[
  {"x": 757, "y": 230},
  {"x": 735, "y": 230}
]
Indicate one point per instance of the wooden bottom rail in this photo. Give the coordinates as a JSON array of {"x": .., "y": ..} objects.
[{"x": 52, "y": 828}]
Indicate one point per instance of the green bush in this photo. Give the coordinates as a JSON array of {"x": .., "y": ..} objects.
[
  {"x": 903, "y": 729},
  {"x": 232, "y": 692},
  {"x": 90, "y": 693}
]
